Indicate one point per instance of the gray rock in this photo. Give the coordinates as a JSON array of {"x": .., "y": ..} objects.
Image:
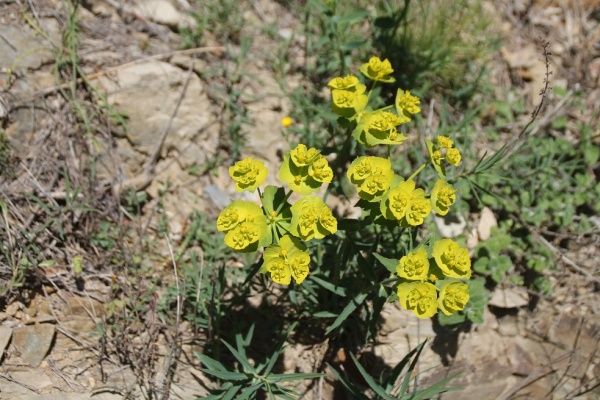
[
  {"x": 33, "y": 342},
  {"x": 148, "y": 93},
  {"x": 21, "y": 48},
  {"x": 5, "y": 334}
]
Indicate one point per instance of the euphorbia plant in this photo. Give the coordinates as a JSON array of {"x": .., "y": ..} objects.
[{"x": 427, "y": 278}]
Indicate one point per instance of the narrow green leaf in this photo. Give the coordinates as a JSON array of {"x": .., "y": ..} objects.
[
  {"x": 340, "y": 291},
  {"x": 275, "y": 378},
  {"x": 353, "y": 305},
  {"x": 413, "y": 365},
  {"x": 226, "y": 375},
  {"x": 437, "y": 388},
  {"x": 350, "y": 387},
  {"x": 209, "y": 362},
  {"x": 247, "y": 367},
  {"x": 367, "y": 269},
  {"x": 229, "y": 395},
  {"x": 370, "y": 381}
]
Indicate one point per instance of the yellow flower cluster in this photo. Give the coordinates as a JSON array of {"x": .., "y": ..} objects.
[
  {"x": 426, "y": 283},
  {"x": 305, "y": 170},
  {"x": 443, "y": 149},
  {"x": 280, "y": 228},
  {"x": 417, "y": 291},
  {"x": 245, "y": 226}
]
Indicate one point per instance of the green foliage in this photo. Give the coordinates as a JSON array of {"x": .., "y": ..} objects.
[
  {"x": 391, "y": 387},
  {"x": 490, "y": 260},
  {"x": 5, "y": 155},
  {"x": 436, "y": 43},
  {"x": 249, "y": 381}
]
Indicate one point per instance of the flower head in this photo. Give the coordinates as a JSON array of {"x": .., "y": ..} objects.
[
  {"x": 286, "y": 260},
  {"x": 444, "y": 142},
  {"x": 248, "y": 174},
  {"x": 245, "y": 226},
  {"x": 414, "y": 265},
  {"x": 348, "y": 82},
  {"x": 452, "y": 259},
  {"x": 287, "y": 121},
  {"x": 378, "y": 70},
  {"x": 379, "y": 127},
  {"x": 454, "y": 296},
  {"x": 305, "y": 170},
  {"x": 407, "y": 104},
  {"x": 453, "y": 156},
  {"x": 406, "y": 204},
  {"x": 418, "y": 297},
  {"x": 443, "y": 196},
  {"x": 372, "y": 175},
  {"x": 312, "y": 219},
  {"x": 348, "y": 103}
]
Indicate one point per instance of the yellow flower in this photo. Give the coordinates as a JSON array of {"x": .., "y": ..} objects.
[
  {"x": 372, "y": 175},
  {"x": 414, "y": 265},
  {"x": 418, "y": 210},
  {"x": 443, "y": 196},
  {"x": 312, "y": 219},
  {"x": 303, "y": 156},
  {"x": 380, "y": 128},
  {"x": 444, "y": 142},
  {"x": 305, "y": 170},
  {"x": 405, "y": 204},
  {"x": 378, "y": 70},
  {"x": 248, "y": 174},
  {"x": 320, "y": 170},
  {"x": 245, "y": 226},
  {"x": 418, "y": 297},
  {"x": 347, "y": 103},
  {"x": 452, "y": 259},
  {"x": 286, "y": 260},
  {"x": 287, "y": 121},
  {"x": 454, "y": 296},
  {"x": 453, "y": 156},
  {"x": 407, "y": 104},
  {"x": 396, "y": 203},
  {"x": 348, "y": 82}
]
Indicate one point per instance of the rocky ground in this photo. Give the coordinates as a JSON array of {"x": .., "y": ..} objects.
[{"x": 129, "y": 53}]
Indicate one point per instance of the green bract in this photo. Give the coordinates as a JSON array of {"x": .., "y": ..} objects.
[
  {"x": 245, "y": 226},
  {"x": 418, "y": 297},
  {"x": 248, "y": 174},
  {"x": 286, "y": 260},
  {"x": 452, "y": 259},
  {"x": 443, "y": 196},
  {"x": 454, "y": 296},
  {"x": 312, "y": 219},
  {"x": 372, "y": 175}
]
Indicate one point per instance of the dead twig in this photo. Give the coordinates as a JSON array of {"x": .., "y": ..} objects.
[
  {"x": 534, "y": 376},
  {"x": 13, "y": 380}
]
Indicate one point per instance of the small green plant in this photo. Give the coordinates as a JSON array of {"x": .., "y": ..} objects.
[
  {"x": 391, "y": 387},
  {"x": 247, "y": 381}
]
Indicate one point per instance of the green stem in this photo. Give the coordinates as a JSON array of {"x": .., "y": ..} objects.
[{"x": 417, "y": 171}]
